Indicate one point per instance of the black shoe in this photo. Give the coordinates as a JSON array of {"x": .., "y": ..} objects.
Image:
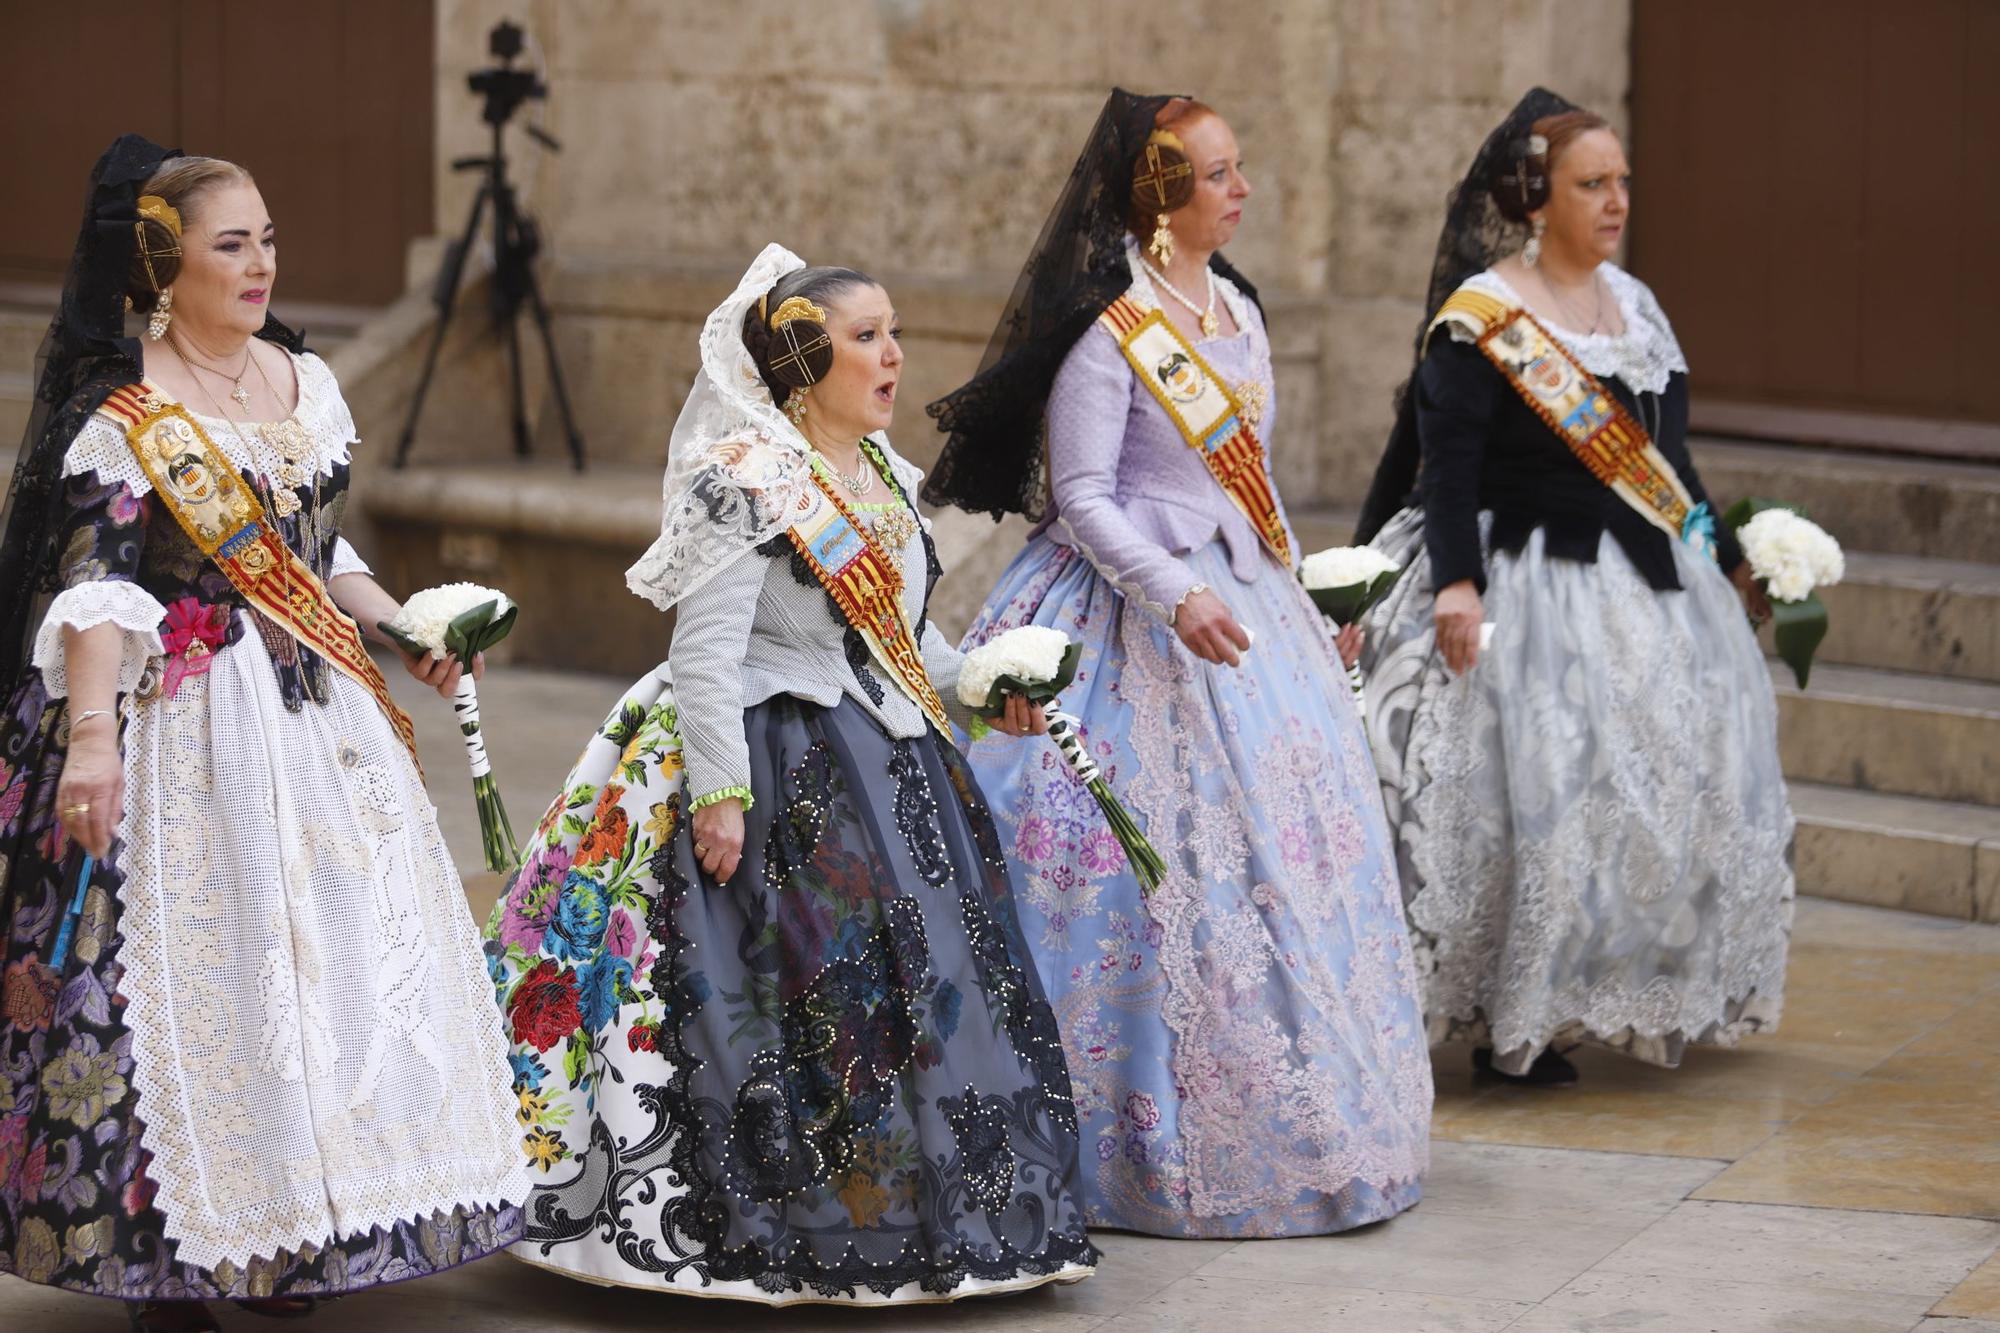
[
  {"x": 1550, "y": 1070},
  {"x": 285, "y": 1307}
]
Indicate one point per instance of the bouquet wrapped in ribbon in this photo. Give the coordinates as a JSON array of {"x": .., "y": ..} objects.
[
  {"x": 1037, "y": 663},
  {"x": 1343, "y": 582},
  {"x": 1791, "y": 557},
  {"x": 463, "y": 620}
]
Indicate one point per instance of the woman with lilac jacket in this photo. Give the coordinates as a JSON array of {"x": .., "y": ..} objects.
[{"x": 1245, "y": 1043}]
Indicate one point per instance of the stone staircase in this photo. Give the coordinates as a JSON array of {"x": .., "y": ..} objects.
[{"x": 1893, "y": 753}]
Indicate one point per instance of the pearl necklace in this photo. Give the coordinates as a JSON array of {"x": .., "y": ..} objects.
[
  {"x": 861, "y": 483},
  {"x": 1210, "y": 325}
]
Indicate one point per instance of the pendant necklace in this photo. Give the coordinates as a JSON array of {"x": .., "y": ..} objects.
[
  {"x": 237, "y": 393},
  {"x": 1210, "y": 325}
]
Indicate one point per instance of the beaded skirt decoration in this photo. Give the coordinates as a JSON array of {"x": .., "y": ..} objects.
[{"x": 834, "y": 1077}]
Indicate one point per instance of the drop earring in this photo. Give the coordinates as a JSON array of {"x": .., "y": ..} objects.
[
  {"x": 1531, "y": 253},
  {"x": 156, "y": 327},
  {"x": 1162, "y": 244},
  {"x": 795, "y": 407}
]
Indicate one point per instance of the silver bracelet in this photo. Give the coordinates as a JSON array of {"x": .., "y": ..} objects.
[{"x": 88, "y": 714}]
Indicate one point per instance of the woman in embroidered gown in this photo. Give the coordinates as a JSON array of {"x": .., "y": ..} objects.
[
  {"x": 250, "y": 1054},
  {"x": 1248, "y": 1052},
  {"x": 1590, "y": 813},
  {"x": 777, "y": 1036}
]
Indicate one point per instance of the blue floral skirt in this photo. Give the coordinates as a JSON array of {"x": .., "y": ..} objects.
[
  {"x": 834, "y": 1077},
  {"x": 1247, "y": 1047}
]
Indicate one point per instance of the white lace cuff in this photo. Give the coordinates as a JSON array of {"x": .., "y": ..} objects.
[
  {"x": 87, "y": 606},
  {"x": 346, "y": 560}
]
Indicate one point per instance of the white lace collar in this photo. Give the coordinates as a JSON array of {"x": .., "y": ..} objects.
[
  {"x": 101, "y": 446},
  {"x": 1644, "y": 356}
]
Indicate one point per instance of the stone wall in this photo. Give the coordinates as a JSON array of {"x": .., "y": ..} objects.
[{"x": 925, "y": 139}]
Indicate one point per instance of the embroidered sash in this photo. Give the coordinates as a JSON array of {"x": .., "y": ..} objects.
[
  {"x": 222, "y": 516},
  {"x": 1205, "y": 410},
  {"x": 867, "y": 587},
  {"x": 1588, "y": 418}
]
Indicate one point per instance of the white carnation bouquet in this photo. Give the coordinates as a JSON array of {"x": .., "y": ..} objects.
[
  {"x": 1037, "y": 663},
  {"x": 463, "y": 620},
  {"x": 1792, "y": 558},
  {"x": 1343, "y": 582}
]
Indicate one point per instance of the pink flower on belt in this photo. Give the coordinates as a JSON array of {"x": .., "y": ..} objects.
[{"x": 191, "y": 634}]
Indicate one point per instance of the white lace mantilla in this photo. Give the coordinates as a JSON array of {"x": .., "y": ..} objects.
[
  {"x": 108, "y": 601},
  {"x": 1644, "y": 356},
  {"x": 101, "y": 446}
]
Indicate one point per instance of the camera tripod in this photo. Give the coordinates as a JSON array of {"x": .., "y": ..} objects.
[{"x": 516, "y": 243}]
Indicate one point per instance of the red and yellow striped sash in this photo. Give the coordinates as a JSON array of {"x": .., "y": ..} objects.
[
  {"x": 1588, "y": 418},
  {"x": 865, "y": 584},
  {"x": 1205, "y": 410},
  {"x": 222, "y": 516}
]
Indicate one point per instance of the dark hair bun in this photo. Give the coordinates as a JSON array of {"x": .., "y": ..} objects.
[
  {"x": 800, "y": 353},
  {"x": 1162, "y": 179},
  {"x": 164, "y": 247},
  {"x": 1522, "y": 184}
]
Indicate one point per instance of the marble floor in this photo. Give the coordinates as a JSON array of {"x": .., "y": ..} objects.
[{"x": 1843, "y": 1174}]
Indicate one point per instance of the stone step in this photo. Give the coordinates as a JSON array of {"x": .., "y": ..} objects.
[
  {"x": 1895, "y": 732},
  {"x": 1869, "y": 502},
  {"x": 1903, "y": 852},
  {"x": 1915, "y": 614}
]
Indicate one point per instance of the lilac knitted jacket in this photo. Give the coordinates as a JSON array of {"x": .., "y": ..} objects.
[{"x": 1126, "y": 490}]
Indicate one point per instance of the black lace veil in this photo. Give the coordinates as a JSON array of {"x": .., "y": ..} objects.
[
  {"x": 84, "y": 356},
  {"x": 1475, "y": 235},
  {"x": 992, "y": 460}
]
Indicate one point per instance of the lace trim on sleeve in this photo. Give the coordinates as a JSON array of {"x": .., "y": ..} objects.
[
  {"x": 346, "y": 560},
  {"x": 719, "y": 796},
  {"x": 87, "y": 606}
]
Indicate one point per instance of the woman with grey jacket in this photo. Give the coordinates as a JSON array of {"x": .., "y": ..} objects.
[{"x": 777, "y": 1036}]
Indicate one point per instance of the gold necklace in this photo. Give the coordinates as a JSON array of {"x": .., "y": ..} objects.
[
  {"x": 237, "y": 392},
  {"x": 1210, "y": 325}
]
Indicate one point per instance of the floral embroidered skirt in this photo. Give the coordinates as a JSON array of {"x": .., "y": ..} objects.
[
  {"x": 1592, "y": 822},
  {"x": 267, "y": 1067},
  {"x": 1248, "y": 1052},
  {"x": 834, "y": 1078}
]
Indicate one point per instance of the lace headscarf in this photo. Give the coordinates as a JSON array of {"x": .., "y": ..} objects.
[
  {"x": 84, "y": 356},
  {"x": 992, "y": 461},
  {"x": 735, "y": 464},
  {"x": 1474, "y": 237}
]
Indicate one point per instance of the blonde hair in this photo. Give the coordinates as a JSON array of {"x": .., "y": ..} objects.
[{"x": 180, "y": 181}]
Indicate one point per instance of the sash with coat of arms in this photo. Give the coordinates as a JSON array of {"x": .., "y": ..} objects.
[
  {"x": 221, "y": 514},
  {"x": 1209, "y": 415},
  {"x": 1585, "y": 415}
]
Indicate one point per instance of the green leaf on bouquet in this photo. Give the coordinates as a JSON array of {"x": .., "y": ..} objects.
[
  {"x": 475, "y": 630},
  {"x": 402, "y": 640},
  {"x": 1035, "y": 692},
  {"x": 1348, "y": 603},
  {"x": 1798, "y": 628}
]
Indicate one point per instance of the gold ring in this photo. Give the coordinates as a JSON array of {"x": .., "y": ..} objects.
[
  {"x": 81, "y": 808},
  {"x": 700, "y": 850}
]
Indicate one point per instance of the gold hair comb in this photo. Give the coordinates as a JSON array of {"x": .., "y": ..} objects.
[
  {"x": 796, "y": 307},
  {"x": 159, "y": 210}
]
